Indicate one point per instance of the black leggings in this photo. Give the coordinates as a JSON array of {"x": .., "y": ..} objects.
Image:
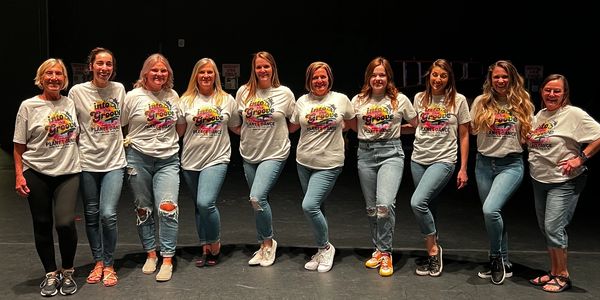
[{"x": 58, "y": 194}]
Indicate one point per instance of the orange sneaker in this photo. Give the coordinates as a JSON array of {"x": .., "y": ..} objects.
[
  {"x": 375, "y": 260},
  {"x": 386, "y": 268}
]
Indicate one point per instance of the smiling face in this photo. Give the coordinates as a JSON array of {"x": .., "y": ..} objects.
[
  {"x": 438, "y": 80},
  {"x": 500, "y": 81},
  {"x": 157, "y": 77},
  {"x": 378, "y": 80},
  {"x": 53, "y": 80},
  {"x": 102, "y": 68},
  {"x": 205, "y": 79},
  {"x": 264, "y": 72},
  {"x": 319, "y": 82},
  {"x": 553, "y": 94}
]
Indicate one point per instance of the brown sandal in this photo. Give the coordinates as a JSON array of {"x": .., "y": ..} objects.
[
  {"x": 95, "y": 275},
  {"x": 110, "y": 277}
]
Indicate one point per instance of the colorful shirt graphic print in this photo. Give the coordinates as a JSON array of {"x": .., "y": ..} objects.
[
  {"x": 378, "y": 119},
  {"x": 105, "y": 116},
  {"x": 539, "y": 138},
  {"x": 160, "y": 115},
  {"x": 504, "y": 124},
  {"x": 259, "y": 113},
  {"x": 434, "y": 119},
  {"x": 61, "y": 128},
  {"x": 208, "y": 121},
  {"x": 321, "y": 118}
]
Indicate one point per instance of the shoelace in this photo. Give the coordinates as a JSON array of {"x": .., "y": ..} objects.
[
  {"x": 50, "y": 280},
  {"x": 433, "y": 262}
]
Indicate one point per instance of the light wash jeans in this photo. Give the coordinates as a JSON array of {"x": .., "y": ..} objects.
[
  {"x": 429, "y": 181},
  {"x": 101, "y": 192},
  {"x": 261, "y": 179},
  {"x": 497, "y": 180},
  {"x": 316, "y": 186},
  {"x": 555, "y": 205},
  {"x": 380, "y": 169},
  {"x": 155, "y": 185},
  {"x": 206, "y": 185}
]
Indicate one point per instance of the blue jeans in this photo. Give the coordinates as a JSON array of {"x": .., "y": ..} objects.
[
  {"x": 497, "y": 180},
  {"x": 429, "y": 181},
  {"x": 155, "y": 185},
  {"x": 380, "y": 168},
  {"x": 316, "y": 186},
  {"x": 261, "y": 179},
  {"x": 101, "y": 192},
  {"x": 206, "y": 185},
  {"x": 555, "y": 205}
]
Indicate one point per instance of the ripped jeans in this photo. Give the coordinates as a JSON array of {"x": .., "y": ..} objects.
[
  {"x": 380, "y": 169},
  {"x": 155, "y": 186},
  {"x": 261, "y": 179}
]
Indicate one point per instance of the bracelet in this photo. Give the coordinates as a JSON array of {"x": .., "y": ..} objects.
[{"x": 583, "y": 157}]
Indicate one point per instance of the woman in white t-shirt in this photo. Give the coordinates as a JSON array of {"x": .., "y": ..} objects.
[
  {"x": 501, "y": 118},
  {"x": 265, "y": 106},
  {"x": 320, "y": 115},
  {"x": 380, "y": 108},
  {"x": 47, "y": 172},
  {"x": 557, "y": 156},
  {"x": 150, "y": 114},
  {"x": 206, "y": 111},
  {"x": 443, "y": 116},
  {"x": 98, "y": 103}
]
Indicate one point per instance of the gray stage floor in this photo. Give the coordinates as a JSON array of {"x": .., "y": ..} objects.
[{"x": 460, "y": 222}]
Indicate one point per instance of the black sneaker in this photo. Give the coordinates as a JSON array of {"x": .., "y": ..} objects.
[
  {"x": 487, "y": 273},
  {"x": 497, "y": 270},
  {"x": 68, "y": 286},
  {"x": 436, "y": 264},
  {"x": 423, "y": 268},
  {"x": 50, "y": 284}
]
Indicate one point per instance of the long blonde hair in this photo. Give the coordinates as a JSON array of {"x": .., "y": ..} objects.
[
  {"x": 192, "y": 89},
  {"x": 518, "y": 99},
  {"x": 390, "y": 89}
]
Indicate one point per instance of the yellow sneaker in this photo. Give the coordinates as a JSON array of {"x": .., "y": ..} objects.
[
  {"x": 375, "y": 260},
  {"x": 386, "y": 268}
]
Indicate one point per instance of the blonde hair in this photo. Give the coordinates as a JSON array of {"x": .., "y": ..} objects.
[
  {"x": 47, "y": 64},
  {"x": 518, "y": 99},
  {"x": 192, "y": 89},
  {"x": 148, "y": 64}
]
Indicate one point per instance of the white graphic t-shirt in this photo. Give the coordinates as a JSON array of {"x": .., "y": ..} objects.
[
  {"x": 49, "y": 129},
  {"x": 99, "y": 114},
  {"x": 436, "y": 136},
  {"x": 557, "y": 136},
  {"x": 321, "y": 143},
  {"x": 378, "y": 120}
]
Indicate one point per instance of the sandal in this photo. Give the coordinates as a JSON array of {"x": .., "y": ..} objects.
[
  {"x": 542, "y": 279},
  {"x": 110, "y": 277},
  {"x": 561, "y": 282},
  {"x": 212, "y": 259},
  {"x": 95, "y": 275}
]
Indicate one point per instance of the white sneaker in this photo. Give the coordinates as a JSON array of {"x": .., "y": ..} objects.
[
  {"x": 326, "y": 261},
  {"x": 313, "y": 264},
  {"x": 257, "y": 257},
  {"x": 269, "y": 255}
]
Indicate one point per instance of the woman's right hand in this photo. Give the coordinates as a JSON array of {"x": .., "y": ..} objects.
[{"x": 21, "y": 186}]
